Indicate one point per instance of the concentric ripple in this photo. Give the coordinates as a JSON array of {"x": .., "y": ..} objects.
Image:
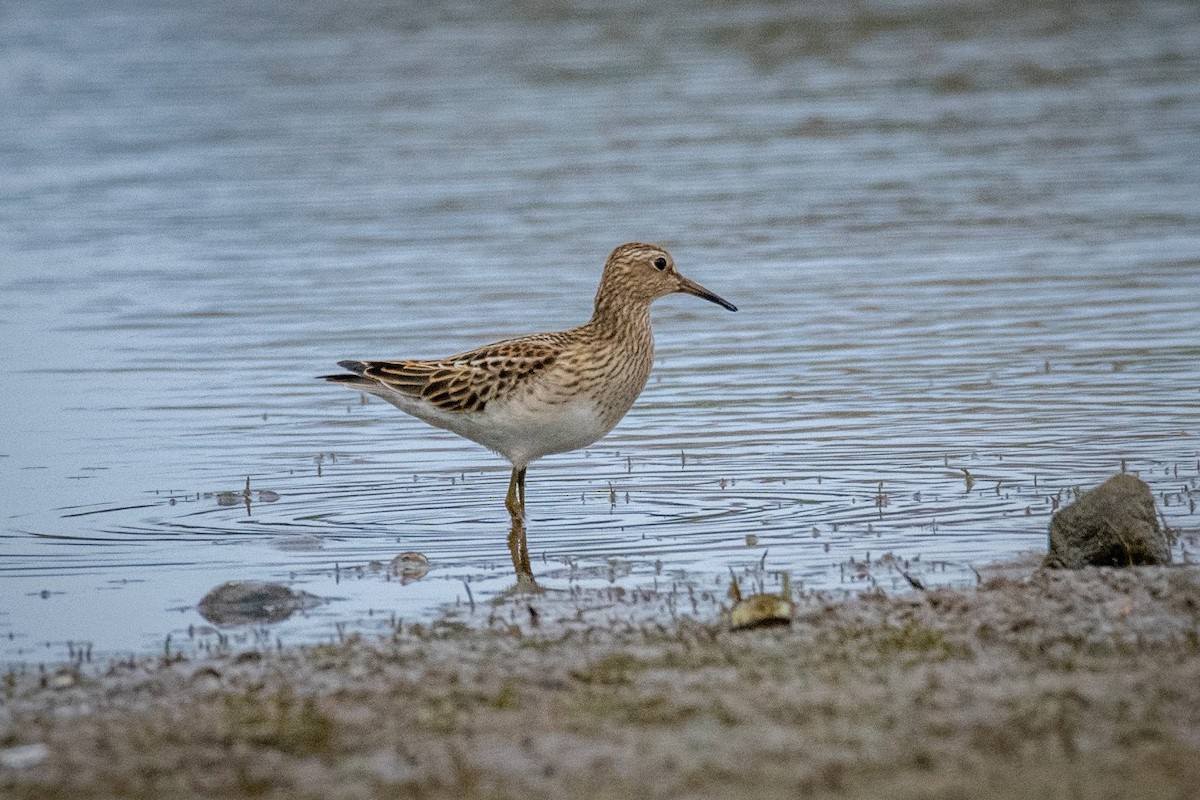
[{"x": 963, "y": 243}]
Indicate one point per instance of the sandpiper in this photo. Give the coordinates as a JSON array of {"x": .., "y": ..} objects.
[{"x": 545, "y": 393}]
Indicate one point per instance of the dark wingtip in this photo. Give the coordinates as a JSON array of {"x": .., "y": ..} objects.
[{"x": 357, "y": 367}]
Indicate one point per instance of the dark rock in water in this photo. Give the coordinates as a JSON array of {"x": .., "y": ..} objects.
[
  {"x": 244, "y": 602},
  {"x": 1113, "y": 525}
]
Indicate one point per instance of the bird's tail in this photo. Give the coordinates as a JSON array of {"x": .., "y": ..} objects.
[{"x": 356, "y": 379}]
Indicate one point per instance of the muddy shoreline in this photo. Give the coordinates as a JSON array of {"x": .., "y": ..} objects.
[{"x": 1034, "y": 683}]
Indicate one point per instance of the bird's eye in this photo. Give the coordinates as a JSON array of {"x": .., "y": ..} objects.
[{"x": 660, "y": 263}]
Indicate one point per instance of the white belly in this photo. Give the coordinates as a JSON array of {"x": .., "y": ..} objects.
[
  {"x": 523, "y": 433},
  {"x": 520, "y": 431}
]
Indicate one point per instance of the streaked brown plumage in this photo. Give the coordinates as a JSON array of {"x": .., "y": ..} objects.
[{"x": 548, "y": 392}]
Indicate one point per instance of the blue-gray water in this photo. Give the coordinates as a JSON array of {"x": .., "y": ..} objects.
[{"x": 963, "y": 236}]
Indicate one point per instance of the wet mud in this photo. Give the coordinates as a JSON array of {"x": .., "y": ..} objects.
[{"x": 1081, "y": 683}]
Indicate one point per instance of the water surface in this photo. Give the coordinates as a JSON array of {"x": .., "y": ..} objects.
[{"x": 964, "y": 240}]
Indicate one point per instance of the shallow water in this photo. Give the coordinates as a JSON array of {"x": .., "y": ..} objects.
[{"x": 960, "y": 237}]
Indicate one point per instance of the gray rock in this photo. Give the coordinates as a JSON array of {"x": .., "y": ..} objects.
[
  {"x": 243, "y": 602},
  {"x": 1113, "y": 525}
]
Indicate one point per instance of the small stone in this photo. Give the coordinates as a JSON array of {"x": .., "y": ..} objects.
[
  {"x": 410, "y": 566},
  {"x": 63, "y": 680},
  {"x": 760, "y": 610},
  {"x": 1113, "y": 525},
  {"x": 243, "y": 602}
]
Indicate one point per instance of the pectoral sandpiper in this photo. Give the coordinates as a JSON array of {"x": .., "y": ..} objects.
[{"x": 545, "y": 393}]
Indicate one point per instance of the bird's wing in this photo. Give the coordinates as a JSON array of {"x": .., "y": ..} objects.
[{"x": 465, "y": 382}]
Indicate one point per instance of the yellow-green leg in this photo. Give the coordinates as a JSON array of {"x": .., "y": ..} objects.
[
  {"x": 518, "y": 546},
  {"x": 514, "y": 501}
]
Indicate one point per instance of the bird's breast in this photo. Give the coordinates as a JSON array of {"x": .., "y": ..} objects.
[{"x": 572, "y": 405}]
